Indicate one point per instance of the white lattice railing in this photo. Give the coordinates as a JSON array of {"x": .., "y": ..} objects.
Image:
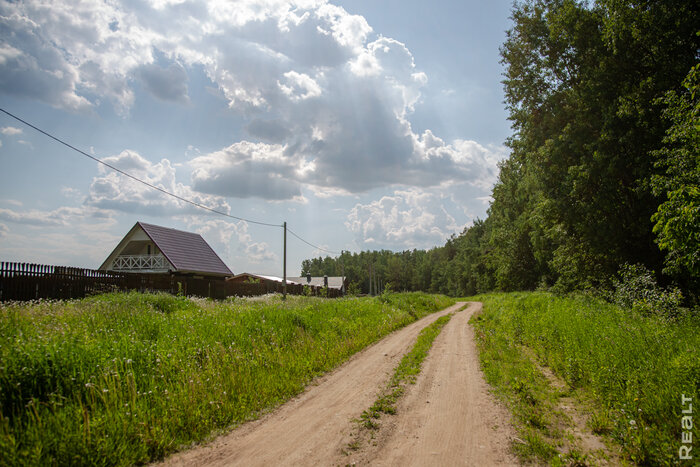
[{"x": 139, "y": 262}]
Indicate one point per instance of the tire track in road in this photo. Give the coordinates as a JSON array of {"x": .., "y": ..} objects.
[{"x": 449, "y": 417}]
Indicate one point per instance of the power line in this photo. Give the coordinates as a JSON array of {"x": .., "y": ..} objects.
[
  {"x": 312, "y": 245},
  {"x": 126, "y": 174},
  {"x": 150, "y": 185}
]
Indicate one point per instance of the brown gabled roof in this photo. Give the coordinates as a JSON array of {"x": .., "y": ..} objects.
[{"x": 186, "y": 251}]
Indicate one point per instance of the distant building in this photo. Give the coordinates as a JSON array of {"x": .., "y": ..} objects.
[
  {"x": 153, "y": 249},
  {"x": 274, "y": 282},
  {"x": 247, "y": 277},
  {"x": 332, "y": 282}
]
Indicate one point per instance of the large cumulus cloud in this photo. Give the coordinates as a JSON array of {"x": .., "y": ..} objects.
[
  {"x": 114, "y": 191},
  {"x": 328, "y": 102},
  {"x": 407, "y": 219}
]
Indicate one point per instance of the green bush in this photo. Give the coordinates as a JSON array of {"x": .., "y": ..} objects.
[{"x": 638, "y": 290}]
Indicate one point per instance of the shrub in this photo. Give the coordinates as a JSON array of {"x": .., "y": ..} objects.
[{"x": 638, "y": 290}]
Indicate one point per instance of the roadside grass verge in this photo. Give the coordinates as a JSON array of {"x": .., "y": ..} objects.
[
  {"x": 633, "y": 369},
  {"x": 123, "y": 379},
  {"x": 405, "y": 373}
]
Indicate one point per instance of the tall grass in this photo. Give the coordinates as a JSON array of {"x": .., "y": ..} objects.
[
  {"x": 127, "y": 378},
  {"x": 635, "y": 367}
]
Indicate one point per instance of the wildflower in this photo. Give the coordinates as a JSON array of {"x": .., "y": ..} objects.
[{"x": 105, "y": 390}]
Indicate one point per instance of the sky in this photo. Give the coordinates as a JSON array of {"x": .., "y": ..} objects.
[{"x": 363, "y": 124}]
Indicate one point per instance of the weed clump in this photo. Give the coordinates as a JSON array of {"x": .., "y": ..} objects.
[{"x": 638, "y": 290}]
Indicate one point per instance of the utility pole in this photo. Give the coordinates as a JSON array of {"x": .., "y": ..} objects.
[
  {"x": 342, "y": 266},
  {"x": 284, "y": 264}
]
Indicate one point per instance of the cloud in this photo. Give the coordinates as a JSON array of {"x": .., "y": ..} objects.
[
  {"x": 63, "y": 216},
  {"x": 269, "y": 131},
  {"x": 4, "y": 230},
  {"x": 61, "y": 52},
  {"x": 299, "y": 86},
  {"x": 10, "y": 131},
  {"x": 71, "y": 193},
  {"x": 340, "y": 129},
  {"x": 327, "y": 102},
  {"x": 111, "y": 190},
  {"x": 248, "y": 170},
  {"x": 13, "y": 202},
  {"x": 167, "y": 84},
  {"x": 232, "y": 239},
  {"x": 86, "y": 246},
  {"x": 407, "y": 219}
]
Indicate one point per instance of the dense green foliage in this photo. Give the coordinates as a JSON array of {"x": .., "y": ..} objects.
[
  {"x": 636, "y": 367},
  {"x": 678, "y": 217},
  {"x": 604, "y": 162},
  {"x": 126, "y": 378}
]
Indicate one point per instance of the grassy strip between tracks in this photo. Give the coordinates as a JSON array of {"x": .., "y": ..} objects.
[
  {"x": 405, "y": 373},
  {"x": 123, "y": 379},
  {"x": 632, "y": 371}
]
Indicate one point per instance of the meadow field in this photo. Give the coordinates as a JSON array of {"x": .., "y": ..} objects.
[
  {"x": 123, "y": 379},
  {"x": 631, "y": 371}
]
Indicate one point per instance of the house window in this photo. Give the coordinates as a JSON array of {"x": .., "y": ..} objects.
[{"x": 149, "y": 250}]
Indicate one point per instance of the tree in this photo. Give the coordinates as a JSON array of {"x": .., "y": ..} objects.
[
  {"x": 582, "y": 84},
  {"x": 677, "y": 219}
]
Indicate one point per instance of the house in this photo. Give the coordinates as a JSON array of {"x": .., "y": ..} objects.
[
  {"x": 332, "y": 282},
  {"x": 247, "y": 284},
  {"x": 152, "y": 249}
]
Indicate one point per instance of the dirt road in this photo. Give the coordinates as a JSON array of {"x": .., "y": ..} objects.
[
  {"x": 448, "y": 417},
  {"x": 456, "y": 426}
]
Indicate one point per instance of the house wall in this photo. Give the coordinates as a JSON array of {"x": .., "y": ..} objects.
[
  {"x": 135, "y": 243},
  {"x": 140, "y": 248}
]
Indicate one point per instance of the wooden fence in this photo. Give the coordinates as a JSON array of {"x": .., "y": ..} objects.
[{"x": 24, "y": 281}]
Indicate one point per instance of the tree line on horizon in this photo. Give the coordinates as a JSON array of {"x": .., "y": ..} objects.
[{"x": 604, "y": 164}]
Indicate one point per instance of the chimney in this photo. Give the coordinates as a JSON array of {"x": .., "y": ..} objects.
[
  {"x": 308, "y": 277},
  {"x": 325, "y": 281}
]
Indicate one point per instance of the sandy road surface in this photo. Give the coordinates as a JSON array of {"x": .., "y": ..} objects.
[
  {"x": 448, "y": 417},
  {"x": 311, "y": 429}
]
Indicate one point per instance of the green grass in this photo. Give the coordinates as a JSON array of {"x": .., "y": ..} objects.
[
  {"x": 121, "y": 379},
  {"x": 405, "y": 373},
  {"x": 633, "y": 368}
]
